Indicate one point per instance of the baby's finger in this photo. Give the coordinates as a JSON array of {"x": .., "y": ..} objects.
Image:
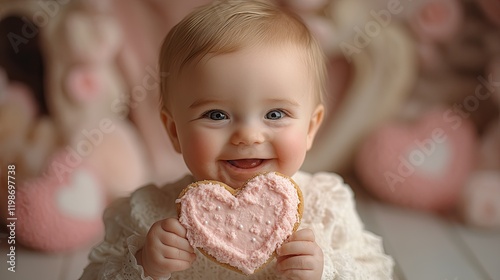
[
  {"x": 297, "y": 248},
  {"x": 302, "y": 235},
  {"x": 173, "y": 240},
  {"x": 296, "y": 263},
  {"x": 298, "y": 274},
  {"x": 178, "y": 254},
  {"x": 174, "y": 226},
  {"x": 176, "y": 265}
]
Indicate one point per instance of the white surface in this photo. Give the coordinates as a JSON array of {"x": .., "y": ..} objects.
[
  {"x": 430, "y": 247},
  {"x": 424, "y": 247},
  {"x": 42, "y": 266}
]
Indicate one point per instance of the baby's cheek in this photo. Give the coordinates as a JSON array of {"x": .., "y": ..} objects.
[
  {"x": 291, "y": 149},
  {"x": 197, "y": 148}
]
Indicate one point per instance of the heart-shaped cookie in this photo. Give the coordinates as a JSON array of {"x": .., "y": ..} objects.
[{"x": 241, "y": 229}]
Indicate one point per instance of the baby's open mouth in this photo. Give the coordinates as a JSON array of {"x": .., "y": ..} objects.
[{"x": 246, "y": 163}]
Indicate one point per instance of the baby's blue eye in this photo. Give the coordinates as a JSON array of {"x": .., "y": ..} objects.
[
  {"x": 275, "y": 115},
  {"x": 215, "y": 115}
]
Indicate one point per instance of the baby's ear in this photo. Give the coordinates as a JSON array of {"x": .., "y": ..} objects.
[
  {"x": 314, "y": 124},
  {"x": 170, "y": 127}
]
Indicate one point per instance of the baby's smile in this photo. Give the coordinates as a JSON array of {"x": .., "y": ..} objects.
[
  {"x": 246, "y": 163},
  {"x": 235, "y": 172}
]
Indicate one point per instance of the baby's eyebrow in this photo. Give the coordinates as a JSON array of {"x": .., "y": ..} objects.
[
  {"x": 280, "y": 101},
  {"x": 203, "y": 102},
  {"x": 289, "y": 102}
]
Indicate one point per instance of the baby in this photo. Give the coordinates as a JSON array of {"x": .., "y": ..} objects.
[{"x": 243, "y": 95}]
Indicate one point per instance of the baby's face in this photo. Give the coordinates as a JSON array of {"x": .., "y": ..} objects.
[{"x": 242, "y": 113}]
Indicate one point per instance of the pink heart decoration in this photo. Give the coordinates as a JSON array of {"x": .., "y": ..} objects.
[
  {"x": 84, "y": 83},
  {"x": 47, "y": 220},
  {"x": 241, "y": 228},
  {"x": 437, "y": 20},
  {"x": 423, "y": 166}
]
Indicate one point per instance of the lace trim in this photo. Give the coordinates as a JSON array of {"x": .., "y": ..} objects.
[{"x": 131, "y": 268}]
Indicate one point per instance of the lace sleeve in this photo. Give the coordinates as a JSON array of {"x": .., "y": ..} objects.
[
  {"x": 126, "y": 222},
  {"x": 350, "y": 252}
]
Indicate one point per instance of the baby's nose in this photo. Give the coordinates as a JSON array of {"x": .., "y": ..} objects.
[{"x": 248, "y": 135}]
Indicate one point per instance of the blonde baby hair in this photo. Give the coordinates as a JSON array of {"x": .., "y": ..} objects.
[{"x": 226, "y": 26}]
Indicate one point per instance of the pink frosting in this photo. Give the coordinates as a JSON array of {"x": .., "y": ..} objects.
[{"x": 243, "y": 230}]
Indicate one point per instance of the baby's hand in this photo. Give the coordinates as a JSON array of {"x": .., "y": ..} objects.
[
  {"x": 300, "y": 257},
  {"x": 166, "y": 249}
]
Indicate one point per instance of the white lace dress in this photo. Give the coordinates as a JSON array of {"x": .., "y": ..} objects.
[{"x": 350, "y": 252}]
